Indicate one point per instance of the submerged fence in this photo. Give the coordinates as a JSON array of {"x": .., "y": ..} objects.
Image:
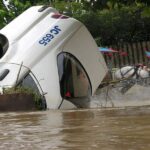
[{"x": 128, "y": 54}]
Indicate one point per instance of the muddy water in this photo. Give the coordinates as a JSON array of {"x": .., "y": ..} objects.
[{"x": 87, "y": 129}]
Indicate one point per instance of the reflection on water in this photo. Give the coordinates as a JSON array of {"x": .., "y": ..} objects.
[{"x": 87, "y": 129}]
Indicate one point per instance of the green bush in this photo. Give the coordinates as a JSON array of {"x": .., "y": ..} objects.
[{"x": 109, "y": 27}]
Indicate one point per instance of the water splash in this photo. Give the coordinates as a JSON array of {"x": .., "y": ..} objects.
[{"x": 111, "y": 96}]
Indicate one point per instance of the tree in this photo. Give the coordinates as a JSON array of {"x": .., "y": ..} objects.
[
  {"x": 108, "y": 20},
  {"x": 3, "y": 13}
]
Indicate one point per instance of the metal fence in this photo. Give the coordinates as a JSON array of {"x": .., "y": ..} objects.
[{"x": 128, "y": 54}]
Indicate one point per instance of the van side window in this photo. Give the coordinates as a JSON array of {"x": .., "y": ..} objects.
[
  {"x": 3, "y": 45},
  {"x": 28, "y": 82},
  {"x": 74, "y": 82}
]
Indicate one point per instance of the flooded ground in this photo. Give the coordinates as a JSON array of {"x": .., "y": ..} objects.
[{"x": 86, "y": 129}]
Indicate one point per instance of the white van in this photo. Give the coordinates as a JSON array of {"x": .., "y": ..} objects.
[{"x": 52, "y": 54}]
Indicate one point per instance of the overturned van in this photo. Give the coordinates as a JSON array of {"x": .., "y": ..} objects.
[{"x": 53, "y": 54}]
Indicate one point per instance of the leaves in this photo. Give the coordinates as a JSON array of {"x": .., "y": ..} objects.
[
  {"x": 146, "y": 12},
  {"x": 109, "y": 21}
]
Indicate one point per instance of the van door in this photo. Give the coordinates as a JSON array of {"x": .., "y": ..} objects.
[
  {"x": 74, "y": 82},
  {"x": 84, "y": 48}
]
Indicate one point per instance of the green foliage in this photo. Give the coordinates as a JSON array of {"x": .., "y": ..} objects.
[
  {"x": 68, "y": 8},
  {"x": 3, "y": 13},
  {"x": 19, "y": 6},
  {"x": 109, "y": 27},
  {"x": 2, "y": 21},
  {"x": 146, "y": 12},
  {"x": 109, "y": 21}
]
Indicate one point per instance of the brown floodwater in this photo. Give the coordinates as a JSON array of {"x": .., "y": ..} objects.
[{"x": 86, "y": 129}]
